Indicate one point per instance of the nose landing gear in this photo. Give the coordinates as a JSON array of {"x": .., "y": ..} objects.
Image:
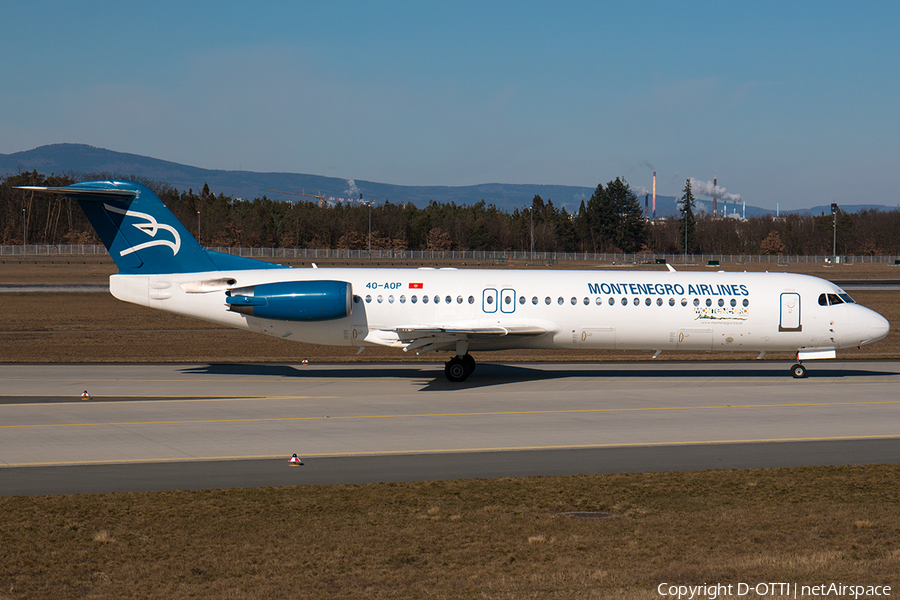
[
  {"x": 798, "y": 371},
  {"x": 459, "y": 368}
]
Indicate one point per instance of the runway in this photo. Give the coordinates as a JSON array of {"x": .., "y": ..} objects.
[{"x": 197, "y": 426}]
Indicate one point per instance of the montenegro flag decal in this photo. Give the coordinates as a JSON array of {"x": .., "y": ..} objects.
[{"x": 415, "y": 286}]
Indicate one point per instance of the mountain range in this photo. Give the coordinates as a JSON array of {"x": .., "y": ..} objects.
[{"x": 81, "y": 159}]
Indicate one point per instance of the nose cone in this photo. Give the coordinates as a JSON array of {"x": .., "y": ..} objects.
[{"x": 878, "y": 328}]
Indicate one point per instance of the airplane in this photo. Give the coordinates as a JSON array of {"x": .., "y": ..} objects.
[{"x": 160, "y": 265}]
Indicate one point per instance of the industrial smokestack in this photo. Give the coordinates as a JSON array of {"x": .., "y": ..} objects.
[
  {"x": 715, "y": 186},
  {"x": 654, "y": 194}
]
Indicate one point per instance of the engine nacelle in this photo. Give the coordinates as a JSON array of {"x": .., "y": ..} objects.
[{"x": 293, "y": 300}]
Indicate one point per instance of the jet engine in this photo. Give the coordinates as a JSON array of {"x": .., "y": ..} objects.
[{"x": 293, "y": 300}]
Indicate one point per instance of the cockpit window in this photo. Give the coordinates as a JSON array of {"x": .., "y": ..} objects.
[{"x": 833, "y": 299}]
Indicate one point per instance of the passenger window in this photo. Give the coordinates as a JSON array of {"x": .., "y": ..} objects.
[
  {"x": 659, "y": 302},
  {"x": 733, "y": 303},
  {"x": 624, "y": 301},
  {"x": 390, "y": 299},
  {"x": 671, "y": 301},
  {"x": 459, "y": 299},
  {"x": 402, "y": 299},
  {"x": 356, "y": 299},
  {"x": 547, "y": 300},
  {"x": 599, "y": 300},
  {"x": 696, "y": 301},
  {"x": 490, "y": 299},
  {"x": 612, "y": 301},
  {"x": 437, "y": 299},
  {"x": 560, "y": 300},
  {"x": 648, "y": 301},
  {"x": 507, "y": 300},
  {"x": 574, "y": 300},
  {"x": 521, "y": 299},
  {"x": 534, "y": 300},
  {"x": 587, "y": 300},
  {"x": 721, "y": 301},
  {"x": 448, "y": 300},
  {"x": 637, "y": 301},
  {"x": 368, "y": 299},
  {"x": 471, "y": 299},
  {"x": 684, "y": 301},
  {"x": 413, "y": 299},
  {"x": 746, "y": 303},
  {"x": 380, "y": 298},
  {"x": 425, "y": 299},
  {"x": 709, "y": 302}
]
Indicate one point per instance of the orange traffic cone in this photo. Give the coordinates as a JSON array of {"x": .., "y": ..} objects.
[{"x": 295, "y": 462}]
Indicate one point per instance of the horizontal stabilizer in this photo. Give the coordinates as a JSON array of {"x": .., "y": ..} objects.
[{"x": 141, "y": 233}]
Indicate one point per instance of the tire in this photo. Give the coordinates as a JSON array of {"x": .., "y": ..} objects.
[
  {"x": 798, "y": 371},
  {"x": 470, "y": 364},
  {"x": 455, "y": 370}
]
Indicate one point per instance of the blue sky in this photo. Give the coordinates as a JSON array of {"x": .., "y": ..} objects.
[{"x": 787, "y": 102}]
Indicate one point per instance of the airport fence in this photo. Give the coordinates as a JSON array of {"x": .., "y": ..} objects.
[{"x": 496, "y": 256}]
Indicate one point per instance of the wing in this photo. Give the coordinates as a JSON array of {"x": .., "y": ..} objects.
[{"x": 424, "y": 338}]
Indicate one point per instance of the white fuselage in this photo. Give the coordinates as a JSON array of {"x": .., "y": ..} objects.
[{"x": 600, "y": 309}]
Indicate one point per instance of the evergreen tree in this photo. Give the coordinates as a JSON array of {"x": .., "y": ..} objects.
[
  {"x": 687, "y": 225},
  {"x": 616, "y": 217}
]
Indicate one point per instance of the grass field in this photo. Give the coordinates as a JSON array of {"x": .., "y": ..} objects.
[
  {"x": 478, "y": 539},
  {"x": 503, "y": 539}
]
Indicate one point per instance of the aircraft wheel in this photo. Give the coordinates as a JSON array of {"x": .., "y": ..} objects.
[
  {"x": 469, "y": 362},
  {"x": 798, "y": 371},
  {"x": 456, "y": 370}
]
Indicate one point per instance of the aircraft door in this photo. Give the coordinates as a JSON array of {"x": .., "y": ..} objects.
[
  {"x": 508, "y": 301},
  {"x": 789, "y": 319},
  {"x": 489, "y": 300}
]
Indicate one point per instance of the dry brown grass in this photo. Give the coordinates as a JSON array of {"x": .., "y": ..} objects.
[{"x": 460, "y": 539}]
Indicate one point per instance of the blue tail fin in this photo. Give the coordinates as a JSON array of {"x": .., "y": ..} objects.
[{"x": 141, "y": 234}]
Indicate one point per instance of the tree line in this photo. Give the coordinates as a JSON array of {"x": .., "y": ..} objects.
[{"x": 611, "y": 220}]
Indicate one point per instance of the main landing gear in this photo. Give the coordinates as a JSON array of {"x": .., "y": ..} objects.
[
  {"x": 798, "y": 371},
  {"x": 459, "y": 368}
]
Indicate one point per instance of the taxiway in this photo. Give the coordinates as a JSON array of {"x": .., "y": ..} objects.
[{"x": 195, "y": 426}]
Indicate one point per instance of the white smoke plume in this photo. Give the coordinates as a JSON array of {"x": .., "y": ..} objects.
[
  {"x": 706, "y": 188},
  {"x": 352, "y": 191},
  {"x": 639, "y": 191}
]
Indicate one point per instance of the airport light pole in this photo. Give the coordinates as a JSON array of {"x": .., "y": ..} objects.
[
  {"x": 199, "y": 239},
  {"x": 834, "y": 209},
  {"x": 24, "y": 231},
  {"x": 370, "y": 226}
]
